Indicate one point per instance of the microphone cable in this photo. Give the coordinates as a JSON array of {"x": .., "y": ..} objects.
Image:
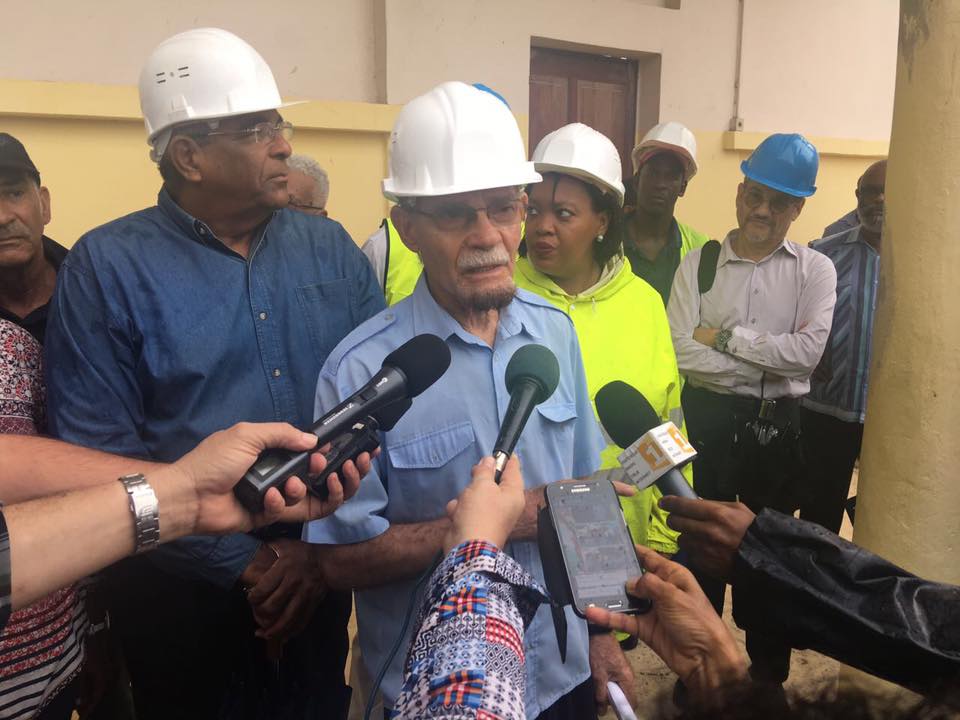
[{"x": 375, "y": 688}]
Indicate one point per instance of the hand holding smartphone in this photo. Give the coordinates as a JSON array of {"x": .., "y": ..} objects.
[{"x": 595, "y": 545}]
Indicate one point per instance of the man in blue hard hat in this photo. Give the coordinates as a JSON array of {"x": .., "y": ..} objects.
[{"x": 750, "y": 319}]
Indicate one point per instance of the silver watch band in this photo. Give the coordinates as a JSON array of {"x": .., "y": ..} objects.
[{"x": 146, "y": 512}]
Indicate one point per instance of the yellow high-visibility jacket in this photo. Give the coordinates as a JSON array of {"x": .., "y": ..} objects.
[
  {"x": 624, "y": 335},
  {"x": 403, "y": 267}
]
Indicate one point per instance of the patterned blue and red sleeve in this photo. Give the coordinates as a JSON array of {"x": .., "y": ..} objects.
[{"x": 466, "y": 660}]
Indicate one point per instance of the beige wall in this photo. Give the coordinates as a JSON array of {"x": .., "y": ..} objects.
[
  {"x": 820, "y": 67},
  {"x": 320, "y": 49},
  {"x": 489, "y": 41}
]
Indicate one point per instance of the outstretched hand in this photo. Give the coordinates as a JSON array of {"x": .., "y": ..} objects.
[
  {"x": 682, "y": 627},
  {"x": 208, "y": 473},
  {"x": 485, "y": 510},
  {"x": 710, "y": 531}
]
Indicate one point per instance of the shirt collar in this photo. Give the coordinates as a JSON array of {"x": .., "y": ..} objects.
[
  {"x": 727, "y": 253},
  {"x": 853, "y": 235},
  {"x": 54, "y": 252},
  {"x": 428, "y": 316},
  {"x": 195, "y": 228},
  {"x": 676, "y": 240}
]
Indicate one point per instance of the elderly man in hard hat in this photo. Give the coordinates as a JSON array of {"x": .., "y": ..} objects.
[
  {"x": 457, "y": 172},
  {"x": 216, "y": 305},
  {"x": 750, "y": 319},
  {"x": 654, "y": 241}
]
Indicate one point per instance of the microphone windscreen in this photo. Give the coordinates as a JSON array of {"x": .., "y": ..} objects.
[
  {"x": 537, "y": 363},
  {"x": 422, "y": 359},
  {"x": 624, "y": 412}
]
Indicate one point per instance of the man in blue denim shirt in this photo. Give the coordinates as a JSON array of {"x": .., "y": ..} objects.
[
  {"x": 457, "y": 170},
  {"x": 216, "y": 305}
]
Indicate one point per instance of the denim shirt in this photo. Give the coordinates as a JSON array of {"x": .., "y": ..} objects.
[
  {"x": 160, "y": 335},
  {"x": 427, "y": 458}
]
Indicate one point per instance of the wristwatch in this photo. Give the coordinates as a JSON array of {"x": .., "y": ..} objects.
[
  {"x": 146, "y": 513},
  {"x": 723, "y": 337}
]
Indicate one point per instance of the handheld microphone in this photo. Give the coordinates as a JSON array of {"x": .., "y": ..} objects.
[
  {"x": 405, "y": 373},
  {"x": 653, "y": 451},
  {"x": 531, "y": 377},
  {"x": 363, "y": 436}
]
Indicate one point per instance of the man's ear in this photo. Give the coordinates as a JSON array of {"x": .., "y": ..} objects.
[
  {"x": 186, "y": 156},
  {"x": 45, "y": 204},
  {"x": 403, "y": 221},
  {"x": 683, "y": 188}
]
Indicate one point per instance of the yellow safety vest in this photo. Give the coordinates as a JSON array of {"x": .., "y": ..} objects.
[
  {"x": 624, "y": 335},
  {"x": 690, "y": 239},
  {"x": 402, "y": 269}
]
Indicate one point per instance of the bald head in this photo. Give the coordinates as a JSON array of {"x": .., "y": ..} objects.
[{"x": 871, "y": 197}]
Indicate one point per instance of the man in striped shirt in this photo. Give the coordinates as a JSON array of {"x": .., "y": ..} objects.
[{"x": 834, "y": 410}]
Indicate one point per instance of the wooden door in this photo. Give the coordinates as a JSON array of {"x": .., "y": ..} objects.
[{"x": 599, "y": 91}]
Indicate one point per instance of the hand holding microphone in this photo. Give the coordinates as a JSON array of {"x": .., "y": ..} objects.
[
  {"x": 405, "y": 373},
  {"x": 653, "y": 451}
]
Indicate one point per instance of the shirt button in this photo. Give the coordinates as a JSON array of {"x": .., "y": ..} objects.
[
  {"x": 756, "y": 292},
  {"x": 276, "y": 372},
  {"x": 263, "y": 316},
  {"x": 753, "y": 322},
  {"x": 388, "y": 317}
]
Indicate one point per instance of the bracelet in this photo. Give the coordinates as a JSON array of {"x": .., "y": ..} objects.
[
  {"x": 723, "y": 337},
  {"x": 146, "y": 512},
  {"x": 6, "y": 582}
]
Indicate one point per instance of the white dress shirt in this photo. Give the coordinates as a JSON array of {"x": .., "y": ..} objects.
[{"x": 779, "y": 309}]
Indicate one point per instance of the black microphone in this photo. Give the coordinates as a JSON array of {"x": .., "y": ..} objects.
[
  {"x": 531, "y": 377},
  {"x": 363, "y": 436},
  {"x": 627, "y": 416},
  {"x": 405, "y": 373}
]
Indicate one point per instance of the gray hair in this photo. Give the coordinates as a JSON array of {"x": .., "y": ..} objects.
[{"x": 309, "y": 166}]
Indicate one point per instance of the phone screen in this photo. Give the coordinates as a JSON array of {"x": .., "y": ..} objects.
[{"x": 595, "y": 543}]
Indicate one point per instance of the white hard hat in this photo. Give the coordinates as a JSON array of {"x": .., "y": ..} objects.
[
  {"x": 455, "y": 139},
  {"x": 199, "y": 75},
  {"x": 673, "y": 137},
  {"x": 581, "y": 151}
]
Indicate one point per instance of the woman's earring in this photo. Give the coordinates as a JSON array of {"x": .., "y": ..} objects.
[{"x": 599, "y": 238}]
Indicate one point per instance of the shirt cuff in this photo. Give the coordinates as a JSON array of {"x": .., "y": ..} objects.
[{"x": 741, "y": 339}]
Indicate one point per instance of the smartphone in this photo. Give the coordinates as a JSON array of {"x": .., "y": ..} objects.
[{"x": 595, "y": 544}]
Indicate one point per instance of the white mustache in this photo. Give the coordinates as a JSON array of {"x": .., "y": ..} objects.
[{"x": 477, "y": 259}]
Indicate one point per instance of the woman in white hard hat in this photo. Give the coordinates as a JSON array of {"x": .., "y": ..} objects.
[{"x": 573, "y": 257}]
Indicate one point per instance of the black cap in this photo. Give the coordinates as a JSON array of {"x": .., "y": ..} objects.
[{"x": 13, "y": 156}]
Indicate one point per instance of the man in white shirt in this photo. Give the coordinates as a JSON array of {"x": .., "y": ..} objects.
[{"x": 749, "y": 325}]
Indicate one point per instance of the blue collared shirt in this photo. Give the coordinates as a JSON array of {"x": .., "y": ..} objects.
[
  {"x": 839, "y": 384},
  {"x": 427, "y": 458},
  {"x": 160, "y": 335}
]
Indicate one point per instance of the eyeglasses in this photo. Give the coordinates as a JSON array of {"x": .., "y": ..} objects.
[
  {"x": 453, "y": 217},
  {"x": 265, "y": 132},
  {"x": 777, "y": 202}
]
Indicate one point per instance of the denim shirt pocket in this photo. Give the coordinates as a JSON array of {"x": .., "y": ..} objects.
[
  {"x": 432, "y": 449},
  {"x": 328, "y": 311}
]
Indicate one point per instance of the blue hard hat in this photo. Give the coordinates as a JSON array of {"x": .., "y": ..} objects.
[
  {"x": 787, "y": 163},
  {"x": 488, "y": 89}
]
